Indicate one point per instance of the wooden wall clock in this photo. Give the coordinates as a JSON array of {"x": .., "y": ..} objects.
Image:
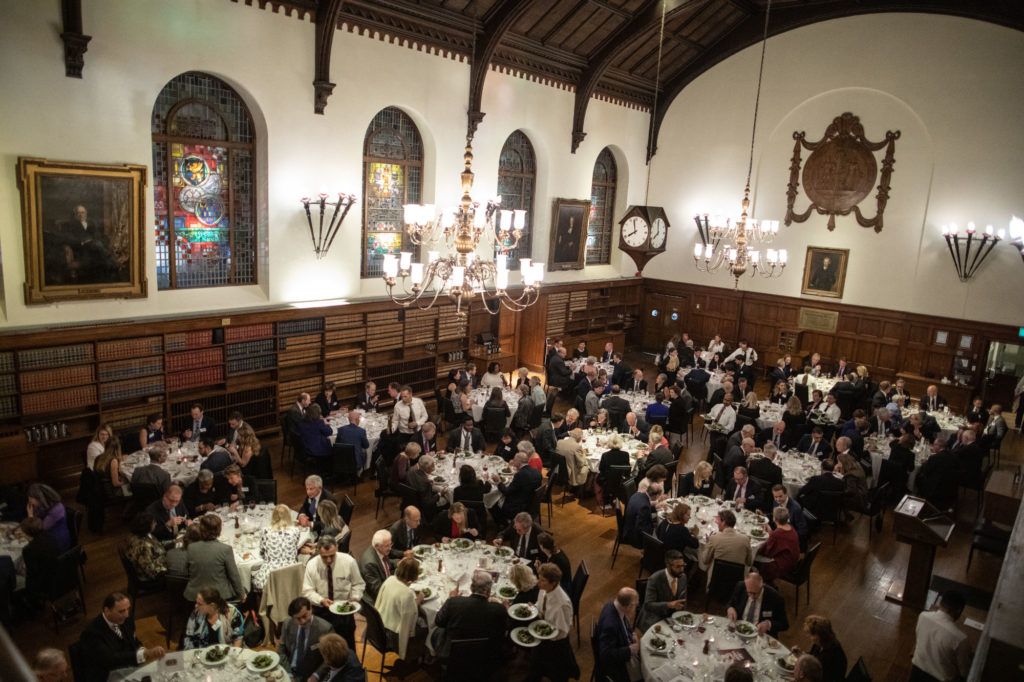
[{"x": 643, "y": 233}]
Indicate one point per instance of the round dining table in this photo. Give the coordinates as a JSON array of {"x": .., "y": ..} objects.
[{"x": 445, "y": 478}]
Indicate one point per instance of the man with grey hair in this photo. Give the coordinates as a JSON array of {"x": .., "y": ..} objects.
[
  {"x": 526, "y": 447},
  {"x": 471, "y": 617},
  {"x": 618, "y": 646},
  {"x": 748, "y": 431},
  {"x": 420, "y": 479},
  {"x": 375, "y": 563},
  {"x": 152, "y": 476},
  {"x": 333, "y": 576},
  {"x": 882, "y": 424},
  {"x": 765, "y": 467},
  {"x": 50, "y": 665},
  {"x": 315, "y": 494},
  {"x": 200, "y": 496},
  {"x": 521, "y": 536},
  {"x": 519, "y": 493}
]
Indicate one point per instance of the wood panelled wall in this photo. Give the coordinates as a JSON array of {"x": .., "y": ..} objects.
[{"x": 888, "y": 342}]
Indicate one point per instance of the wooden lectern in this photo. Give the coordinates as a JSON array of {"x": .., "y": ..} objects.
[{"x": 923, "y": 527}]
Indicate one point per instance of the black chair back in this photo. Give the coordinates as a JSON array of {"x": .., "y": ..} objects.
[
  {"x": 612, "y": 487},
  {"x": 345, "y": 542},
  {"x": 409, "y": 495},
  {"x": 375, "y": 632},
  {"x": 803, "y": 392},
  {"x": 74, "y": 521},
  {"x": 347, "y": 508},
  {"x": 620, "y": 523},
  {"x": 263, "y": 464},
  {"x": 536, "y": 416},
  {"x": 79, "y": 666},
  {"x": 595, "y": 650},
  {"x": 145, "y": 495},
  {"x": 628, "y": 489},
  {"x": 471, "y": 660},
  {"x": 802, "y": 571},
  {"x": 494, "y": 423},
  {"x": 724, "y": 576},
  {"x": 653, "y": 558},
  {"x": 641, "y": 590},
  {"x": 579, "y": 584},
  {"x": 830, "y": 506},
  {"x": 538, "y": 498},
  {"x": 266, "y": 490},
  {"x": 859, "y": 672},
  {"x": 719, "y": 474},
  {"x": 550, "y": 404},
  {"x": 345, "y": 467}
]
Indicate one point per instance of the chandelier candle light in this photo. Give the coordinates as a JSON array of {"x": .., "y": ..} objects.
[
  {"x": 462, "y": 274},
  {"x": 960, "y": 247},
  {"x": 322, "y": 240}
]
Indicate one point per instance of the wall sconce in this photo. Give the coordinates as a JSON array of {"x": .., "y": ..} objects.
[
  {"x": 970, "y": 251},
  {"x": 322, "y": 240},
  {"x": 1017, "y": 234}
]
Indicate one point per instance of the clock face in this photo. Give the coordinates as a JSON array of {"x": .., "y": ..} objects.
[
  {"x": 658, "y": 233},
  {"x": 634, "y": 231}
]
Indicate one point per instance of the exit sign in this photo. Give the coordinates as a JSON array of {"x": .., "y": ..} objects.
[{"x": 1020, "y": 332}]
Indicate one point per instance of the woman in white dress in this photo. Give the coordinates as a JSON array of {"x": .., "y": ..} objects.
[
  {"x": 493, "y": 378},
  {"x": 279, "y": 544}
]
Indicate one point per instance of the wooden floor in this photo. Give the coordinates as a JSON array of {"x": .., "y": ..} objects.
[{"x": 848, "y": 585}]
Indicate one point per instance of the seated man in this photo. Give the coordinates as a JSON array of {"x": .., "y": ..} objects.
[
  {"x": 405, "y": 533},
  {"x": 781, "y": 498},
  {"x": 419, "y": 479},
  {"x": 814, "y": 443},
  {"x": 472, "y": 617},
  {"x": 519, "y": 493},
  {"x": 757, "y": 603},
  {"x": 466, "y": 438},
  {"x": 639, "y": 516},
  {"x": 764, "y": 467},
  {"x": 216, "y": 459},
  {"x": 375, "y": 563},
  {"x": 657, "y": 412},
  {"x": 727, "y": 544},
  {"x": 108, "y": 642},
  {"x": 521, "y": 536},
  {"x": 200, "y": 496},
  {"x": 355, "y": 435},
  {"x": 666, "y": 591},
  {"x": 170, "y": 514},
  {"x": 232, "y": 488},
  {"x": 299, "y": 635},
  {"x": 152, "y": 475},
  {"x": 743, "y": 491},
  {"x": 200, "y": 426},
  {"x": 775, "y": 435},
  {"x": 827, "y": 481},
  {"x": 315, "y": 494}
]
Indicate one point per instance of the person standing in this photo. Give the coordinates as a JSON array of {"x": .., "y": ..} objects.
[
  {"x": 553, "y": 659},
  {"x": 333, "y": 576},
  {"x": 941, "y": 651}
]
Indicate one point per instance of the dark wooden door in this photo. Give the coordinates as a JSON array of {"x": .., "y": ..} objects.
[{"x": 663, "y": 317}]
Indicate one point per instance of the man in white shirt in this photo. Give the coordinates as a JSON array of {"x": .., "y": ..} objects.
[
  {"x": 553, "y": 658},
  {"x": 832, "y": 411},
  {"x": 743, "y": 355},
  {"x": 723, "y": 414},
  {"x": 410, "y": 413},
  {"x": 333, "y": 576},
  {"x": 941, "y": 651}
]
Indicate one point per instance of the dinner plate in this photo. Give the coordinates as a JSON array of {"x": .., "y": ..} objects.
[
  {"x": 680, "y": 618},
  {"x": 336, "y": 607},
  {"x": 419, "y": 588},
  {"x": 507, "y": 595},
  {"x": 250, "y": 664},
  {"x": 504, "y": 552},
  {"x": 424, "y": 550},
  {"x": 537, "y": 624},
  {"x": 783, "y": 669},
  {"x": 746, "y": 623},
  {"x": 529, "y": 609},
  {"x": 663, "y": 651},
  {"x": 201, "y": 657},
  {"x": 515, "y": 638}
]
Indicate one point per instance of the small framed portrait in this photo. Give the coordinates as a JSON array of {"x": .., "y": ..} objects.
[
  {"x": 825, "y": 272},
  {"x": 941, "y": 338},
  {"x": 569, "y": 234},
  {"x": 84, "y": 232},
  {"x": 966, "y": 341}
]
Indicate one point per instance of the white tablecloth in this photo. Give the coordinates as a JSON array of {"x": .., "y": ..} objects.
[
  {"x": 714, "y": 383},
  {"x": 684, "y": 657},
  {"x": 375, "y": 423},
  {"x": 703, "y": 511},
  {"x": 12, "y": 542},
  {"x": 596, "y": 444},
  {"x": 245, "y": 540},
  {"x": 183, "y": 666},
  {"x": 179, "y": 463},
  {"x": 796, "y": 469},
  {"x": 479, "y": 396},
  {"x": 950, "y": 424},
  {"x": 879, "y": 450},
  {"x": 823, "y": 384},
  {"x": 446, "y": 474},
  {"x": 638, "y": 402},
  {"x": 770, "y": 413}
]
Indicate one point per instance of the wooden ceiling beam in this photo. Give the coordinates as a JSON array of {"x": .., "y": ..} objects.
[
  {"x": 327, "y": 12},
  {"x": 610, "y": 7},
  {"x": 785, "y": 18},
  {"x": 646, "y": 17}
]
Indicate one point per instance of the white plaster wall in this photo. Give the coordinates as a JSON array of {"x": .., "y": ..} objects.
[
  {"x": 953, "y": 87},
  {"x": 139, "y": 45}
]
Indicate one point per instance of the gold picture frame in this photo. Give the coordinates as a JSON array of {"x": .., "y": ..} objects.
[
  {"x": 569, "y": 234},
  {"x": 84, "y": 230},
  {"x": 825, "y": 272}
]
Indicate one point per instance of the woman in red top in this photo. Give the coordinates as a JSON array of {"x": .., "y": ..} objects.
[
  {"x": 459, "y": 522},
  {"x": 782, "y": 547}
]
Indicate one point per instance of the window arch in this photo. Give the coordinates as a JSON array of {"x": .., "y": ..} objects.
[
  {"x": 517, "y": 177},
  {"x": 392, "y": 176},
  {"x": 204, "y": 185},
  {"x": 602, "y": 209}
]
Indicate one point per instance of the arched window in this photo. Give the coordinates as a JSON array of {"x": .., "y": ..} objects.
[
  {"x": 204, "y": 185},
  {"x": 392, "y": 176},
  {"x": 517, "y": 174},
  {"x": 602, "y": 209}
]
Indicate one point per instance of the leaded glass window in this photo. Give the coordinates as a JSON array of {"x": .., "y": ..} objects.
[
  {"x": 392, "y": 177},
  {"x": 602, "y": 209},
  {"x": 517, "y": 175},
  {"x": 204, "y": 185}
]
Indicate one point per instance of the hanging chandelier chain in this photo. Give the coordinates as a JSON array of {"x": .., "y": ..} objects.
[
  {"x": 657, "y": 88},
  {"x": 757, "y": 96}
]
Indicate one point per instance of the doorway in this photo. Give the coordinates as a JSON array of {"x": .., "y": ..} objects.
[
  {"x": 664, "y": 316},
  {"x": 1004, "y": 367}
]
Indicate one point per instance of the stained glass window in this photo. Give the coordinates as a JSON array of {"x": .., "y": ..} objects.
[
  {"x": 602, "y": 209},
  {"x": 517, "y": 174},
  {"x": 204, "y": 178},
  {"x": 392, "y": 176}
]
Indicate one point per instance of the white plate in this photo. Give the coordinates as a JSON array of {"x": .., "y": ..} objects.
[
  {"x": 515, "y": 638},
  {"x": 499, "y": 595},
  {"x": 694, "y": 619},
  {"x": 538, "y": 623},
  {"x": 661, "y": 652},
  {"x": 419, "y": 587},
  {"x": 743, "y": 636},
  {"x": 201, "y": 657},
  {"x": 250, "y": 665},
  {"x": 336, "y": 606},
  {"x": 515, "y": 607},
  {"x": 504, "y": 552},
  {"x": 423, "y": 550}
]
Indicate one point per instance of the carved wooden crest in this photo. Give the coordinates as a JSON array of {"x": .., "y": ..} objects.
[{"x": 840, "y": 172}]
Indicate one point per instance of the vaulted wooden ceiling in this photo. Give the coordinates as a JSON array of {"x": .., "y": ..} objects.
[{"x": 607, "y": 49}]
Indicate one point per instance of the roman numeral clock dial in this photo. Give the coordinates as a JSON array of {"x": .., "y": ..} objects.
[{"x": 643, "y": 233}]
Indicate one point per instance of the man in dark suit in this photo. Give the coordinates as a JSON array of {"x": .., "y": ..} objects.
[
  {"x": 696, "y": 382},
  {"x": 639, "y": 516},
  {"x": 617, "y": 643},
  {"x": 781, "y": 498},
  {"x": 882, "y": 423},
  {"x": 882, "y": 396},
  {"x": 367, "y": 398},
  {"x": 521, "y": 536},
  {"x": 666, "y": 591},
  {"x": 813, "y": 443},
  {"x": 296, "y": 413},
  {"x": 472, "y": 617},
  {"x": 299, "y": 635},
  {"x": 775, "y": 434},
  {"x": 315, "y": 494},
  {"x": 170, "y": 514},
  {"x": 467, "y": 437},
  {"x": 634, "y": 426},
  {"x": 635, "y": 383},
  {"x": 355, "y": 435},
  {"x": 969, "y": 455},
  {"x": 809, "y": 496},
  {"x": 617, "y": 407},
  {"x": 559, "y": 374},
  {"x": 109, "y": 643},
  {"x": 622, "y": 373},
  {"x": 375, "y": 563},
  {"x": 230, "y": 433},
  {"x": 199, "y": 425},
  {"x": 742, "y": 489},
  {"x": 519, "y": 493},
  {"x": 756, "y": 603},
  {"x": 152, "y": 475},
  {"x": 546, "y": 440},
  {"x": 932, "y": 401},
  {"x": 426, "y": 438},
  {"x": 938, "y": 478},
  {"x": 216, "y": 458},
  {"x": 737, "y": 455},
  {"x": 405, "y": 533},
  {"x": 419, "y": 479},
  {"x": 230, "y": 487},
  {"x": 765, "y": 468}
]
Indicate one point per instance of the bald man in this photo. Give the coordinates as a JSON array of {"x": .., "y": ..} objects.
[{"x": 618, "y": 643}]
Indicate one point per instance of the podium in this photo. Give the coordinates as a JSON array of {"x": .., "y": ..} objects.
[{"x": 923, "y": 527}]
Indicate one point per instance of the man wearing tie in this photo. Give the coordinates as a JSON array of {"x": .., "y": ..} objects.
[
  {"x": 333, "y": 576},
  {"x": 814, "y": 444},
  {"x": 933, "y": 402},
  {"x": 609, "y": 350},
  {"x": 666, "y": 591},
  {"x": 773, "y": 435},
  {"x": 410, "y": 414},
  {"x": 298, "y": 635},
  {"x": 405, "y": 533},
  {"x": 109, "y": 643},
  {"x": 315, "y": 494},
  {"x": 995, "y": 429},
  {"x": 200, "y": 425},
  {"x": 522, "y": 537},
  {"x": 467, "y": 438},
  {"x": 618, "y": 646},
  {"x": 637, "y": 384},
  {"x": 755, "y": 602},
  {"x": 375, "y": 563}
]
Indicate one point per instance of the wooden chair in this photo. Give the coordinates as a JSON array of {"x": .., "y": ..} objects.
[
  {"x": 137, "y": 587},
  {"x": 801, "y": 575},
  {"x": 376, "y": 635}
]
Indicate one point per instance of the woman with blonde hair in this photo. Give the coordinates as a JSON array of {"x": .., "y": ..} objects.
[
  {"x": 330, "y": 522},
  {"x": 246, "y": 451},
  {"x": 523, "y": 579},
  {"x": 108, "y": 466},
  {"x": 795, "y": 421},
  {"x": 697, "y": 482},
  {"x": 749, "y": 407},
  {"x": 856, "y": 481},
  {"x": 279, "y": 544},
  {"x": 657, "y": 432},
  {"x": 98, "y": 444},
  {"x": 459, "y": 522},
  {"x": 780, "y": 393}
]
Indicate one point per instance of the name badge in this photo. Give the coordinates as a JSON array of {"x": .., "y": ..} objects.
[
  {"x": 244, "y": 489},
  {"x": 766, "y": 614}
]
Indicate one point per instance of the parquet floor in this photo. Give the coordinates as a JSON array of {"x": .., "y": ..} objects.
[{"x": 848, "y": 585}]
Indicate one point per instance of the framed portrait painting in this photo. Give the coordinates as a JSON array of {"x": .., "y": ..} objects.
[
  {"x": 569, "y": 234},
  {"x": 84, "y": 232},
  {"x": 825, "y": 271}
]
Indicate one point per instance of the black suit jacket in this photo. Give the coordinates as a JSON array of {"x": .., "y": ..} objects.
[
  {"x": 629, "y": 384},
  {"x": 822, "y": 451},
  {"x": 765, "y": 469},
  {"x": 162, "y": 516},
  {"x": 519, "y": 493},
  {"x": 304, "y": 509},
  {"x": 103, "y": 651},
  {"x": 773, "y": 608},
  {"x": 372, "y": 570},
  {"x": 472, "y": 617},
  {"x": 622, "y": 376},
  {"x": 455, "y": 439},
  {"x": 511, "y": 538},
  {"x": 559, "y": 374},
  {"x": 422, "y": 441},
  {"x": 206, "y": 426},
  {"x": 400, "y": 538},
  {"x": 754, "y": 494},
  {"x": 613, "y": 645},
  {"x": 366, "y": 401},
  {"x": 767, "y": 436}
]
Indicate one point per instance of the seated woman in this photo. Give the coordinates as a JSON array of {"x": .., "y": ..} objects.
[
  {"x": 493, "y": 378},
  {"x": 674, "y": 532},
  {"x": 506, "y": 449},
  {"x": 331, "y": 522},
  {"x": 153, "y": 432},
  {"x": 497, "y": 401},
  {"x": 715, "y": 362},
  {"x": 327, "y": 399},
  {"x": 614, "y": 456},
  {"x": 826, "y": 648},
  {"x": 462, "y": 404},
  {"x": 523, "y": 377},
  {"x": 108, "y": 467},
  {"x": 211, "y": 563},
  {"x": 749, "y": 407},
  {"x": 405, "y": 460},
  {"x": 655, "y": 474},
  {"x": 551, "y": 553},
  {"x": 213, "y": 622},
  {"x": 782, "y": 547},
  {"x": 246, "y": 453},
  {"x": 470, "y": 488},
  {"x": 44, "y": 504},
  {"x": 658, "y": 431},
  {"x": 144, "y": 552},
  {"x": 524, "y": 580},
  {"x": 280, "y": 543},
  {"x": 697, "y": 482},
  {"x": 600, "y": 420},
  {"x": 98, "y": 444},
  {"x": 670, "y": 365},
  {"x": 313, "y": 433},
  {"x": 780, "y": 393},
  {"x": 581, "y": 351},
  {"x": 537, "y": 392},
  {"x": 459, "y": 522},
  {"x": 398, "y": 607}
]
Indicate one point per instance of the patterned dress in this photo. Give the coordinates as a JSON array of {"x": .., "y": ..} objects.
[
  {"x": 278, "y": 547},
  {"x": 199, "y": 634},
  {"x": 147, "y": 556}
]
